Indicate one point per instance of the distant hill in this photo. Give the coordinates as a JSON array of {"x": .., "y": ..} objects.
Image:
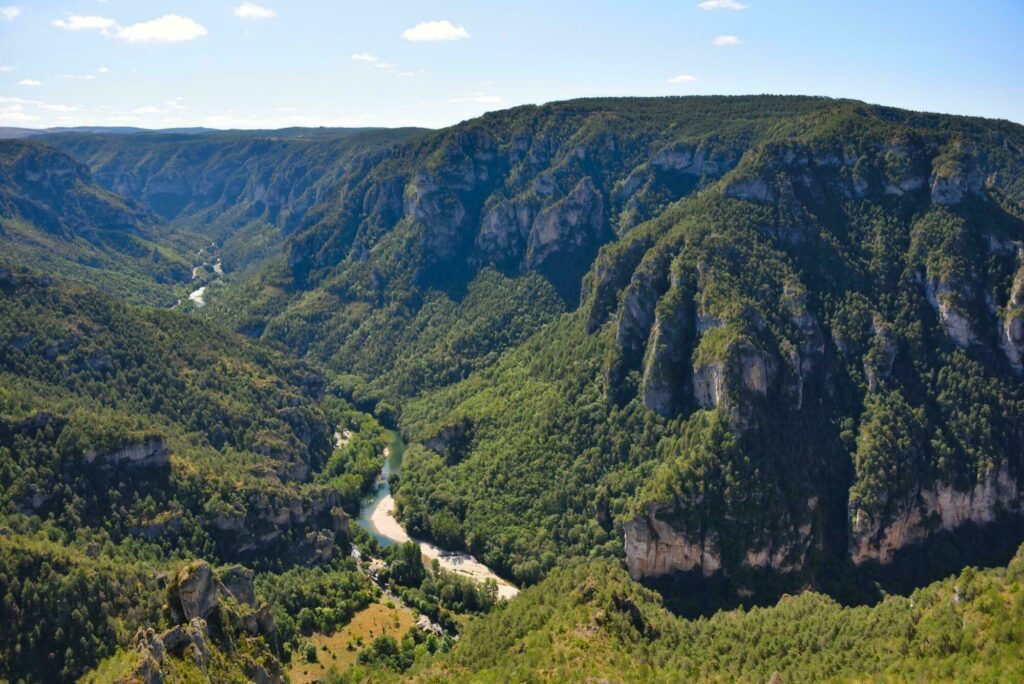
[{"x": 53, "y": 217}]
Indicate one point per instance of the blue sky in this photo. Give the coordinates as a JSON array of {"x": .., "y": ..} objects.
[{"x": 271, "y": 63}]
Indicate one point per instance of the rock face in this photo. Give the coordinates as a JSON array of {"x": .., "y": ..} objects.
[
  {"x": 950, "y": 185},
  {"x": 185, "y": 641},
  {"x": 915, "y": 519},
  {"x": 878, "y": 369},
  {"x": 726, "y": 383},
  {"x": 193, "y": 592},
  {"x": 576, "y": 222},
  {"x": 751, "y": 189},
  {"x": 944, "y": 297},
  {"x": 654, "y": 548},
  {"x": 1011, "y": 331},
  {"x": 666, "y": 369},
  {"x": 197, "y": 592},
  {"x": 151, "y": 453},
  {"x": 302, "y": 527},
  {"x": 452, "y": 441}
]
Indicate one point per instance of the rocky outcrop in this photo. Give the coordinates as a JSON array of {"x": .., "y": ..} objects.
[
  {"x": 609, "y": 274},
  {"x": 1011, "y": 329},
  {"x": 636, "y": 314},
  {"x": 742, "y": 369},
  {"x": 805, "y": 357},
  {"x": 303, "y": 528},
  {"x": 705, "y": 159},
  {"x": 655, "y": 548},
  {"x": 193, "y": 592},
  {"x": 939, "y": 506},
  {"x": 955, "y": 179},
  {"x": 427, "y": 626},
  {"x": 750, "y": 189},
  {"x": 878, "y": 362},
  {"x": 666, "y": 365},
  {"x": 452, "y": 441},
  {"x": 504, "y": 230},
  {"x": 150, "y": 453},
  {"x": 196, "y": 597},
  {"x": 578, "y": 220},
  {"x": 945, "y": 298},
  {"x": 189, "y": 641},
  {"x": 198, "y": 592},
  {"x": 237, "y": 581}
]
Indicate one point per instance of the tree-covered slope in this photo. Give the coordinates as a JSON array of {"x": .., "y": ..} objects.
[
  {"x": 530, "y": 193},
  {"x": 590, "y": 622},
  {"x": 55, "y": 218},
  {"x": 133, "y": 439},
  {"x": 813, "y": 363},
  {"x": 153, "y": 425},
  {"x": 243, "y": 190}
]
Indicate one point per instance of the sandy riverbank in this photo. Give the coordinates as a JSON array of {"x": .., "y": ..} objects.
[{"x": 383, "y": 520}]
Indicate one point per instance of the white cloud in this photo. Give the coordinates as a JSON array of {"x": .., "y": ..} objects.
[
  {"x": 79, "y": 22},
  {"x": 31, "y": 82},
  {"x": 9, "y": 13},
  {"x": 249, "y": 10},
  {"x": 59, "y": 108},
  {"x": 149, "y": 110},
  {"x": 176, "y": 103},
  {"x": 170, "y": 28},
  {"x": 393, "y": 69},
  {"x": 14, "y": 115},
  {"x": 6, "y": 69},
  {"x": 103, "y": 70},
  {"x": 77, "y": 77},
  {"x": 435, "y": 31},
  {"x": 722, "y": 41},
  {"x": 722, "y": 4},
  {"x": 682, "y": 78}
]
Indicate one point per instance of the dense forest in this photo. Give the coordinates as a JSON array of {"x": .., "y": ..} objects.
[{"x": 729, "y": 386}]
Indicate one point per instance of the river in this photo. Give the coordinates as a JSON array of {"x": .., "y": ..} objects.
[{"x": 377, "y": 517}]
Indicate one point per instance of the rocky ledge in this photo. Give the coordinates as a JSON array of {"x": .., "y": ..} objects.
[{"x": 940, "y": 506}]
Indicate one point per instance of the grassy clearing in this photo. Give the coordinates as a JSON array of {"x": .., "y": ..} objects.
[{"x": 333, "y": 650}]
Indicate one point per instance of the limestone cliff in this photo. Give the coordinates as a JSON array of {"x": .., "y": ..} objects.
[{"x": 927, "y": 509}]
